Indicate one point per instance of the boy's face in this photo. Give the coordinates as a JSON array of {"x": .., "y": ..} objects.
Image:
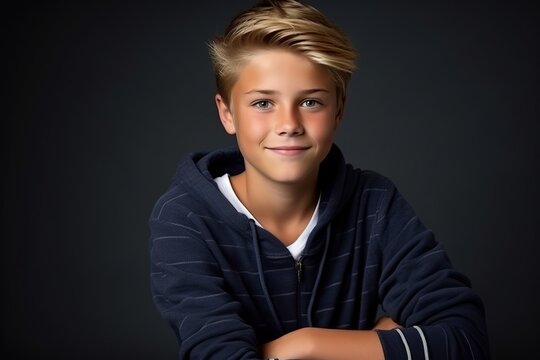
[{"x": 284, "y": 111}]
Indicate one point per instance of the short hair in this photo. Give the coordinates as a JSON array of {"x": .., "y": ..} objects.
[{"x": 282, "y": 24}]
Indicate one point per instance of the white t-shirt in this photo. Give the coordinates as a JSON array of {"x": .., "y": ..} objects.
[{"x": 224, "y": 184}]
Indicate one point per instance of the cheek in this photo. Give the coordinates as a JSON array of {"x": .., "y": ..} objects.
[
  {"x": 323, "y": 126},
  {"x": 250, "y": 126}
]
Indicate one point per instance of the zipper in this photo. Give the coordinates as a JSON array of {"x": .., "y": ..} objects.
[
  {"x": 299, "y": 268},
  {"x": 299, "y": 274}
]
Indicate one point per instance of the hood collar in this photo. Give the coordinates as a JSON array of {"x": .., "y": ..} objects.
[{"x": 198, "y": 170}]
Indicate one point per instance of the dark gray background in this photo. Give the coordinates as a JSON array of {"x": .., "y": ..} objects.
[{"x": 104, "y": 98}]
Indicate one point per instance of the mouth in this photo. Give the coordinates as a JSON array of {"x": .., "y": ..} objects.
[{"x": 288, "y": 150}]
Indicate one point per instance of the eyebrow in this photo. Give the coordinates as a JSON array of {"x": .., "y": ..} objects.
[{"x": 273, "y": 92}]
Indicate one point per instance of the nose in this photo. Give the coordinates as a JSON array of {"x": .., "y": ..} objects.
[{"x": 289, "y": 123}]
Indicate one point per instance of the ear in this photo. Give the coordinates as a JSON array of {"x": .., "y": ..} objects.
[
  {"x": 225, "y": 114},
  {"x": 339, "y": 112}
]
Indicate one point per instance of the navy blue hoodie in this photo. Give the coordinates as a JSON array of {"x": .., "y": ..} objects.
[{"x": 226, "y": 285}]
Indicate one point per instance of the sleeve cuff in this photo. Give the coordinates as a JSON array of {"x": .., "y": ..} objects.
[{"x": 408, "y": 343}]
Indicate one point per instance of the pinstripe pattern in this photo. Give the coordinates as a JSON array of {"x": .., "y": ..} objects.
[{"x": 469, "y": 344}]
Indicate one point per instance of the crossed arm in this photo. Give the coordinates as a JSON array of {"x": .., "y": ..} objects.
[{"x": 317, "y": 343}]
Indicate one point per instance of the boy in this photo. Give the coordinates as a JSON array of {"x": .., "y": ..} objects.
[{"x": 278, "y": 248}]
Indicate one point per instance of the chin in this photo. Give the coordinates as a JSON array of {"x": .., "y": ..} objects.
[{"x": 292, "y": 177}]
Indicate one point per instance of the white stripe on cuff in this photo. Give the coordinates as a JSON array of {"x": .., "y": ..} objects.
[
  {"x": 424, "y": 342},
  {"x": 409, "y": 357}
]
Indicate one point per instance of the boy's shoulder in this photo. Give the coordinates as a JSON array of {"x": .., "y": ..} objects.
[
  {"x": 174, "y": 203},
  {"x": 371, "y": 180},
  {"x": 192, "y": 189}
]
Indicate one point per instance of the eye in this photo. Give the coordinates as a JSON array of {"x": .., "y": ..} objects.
[
  {"x": 262, "y": 104},
  {"x": 310, "y": 103}
]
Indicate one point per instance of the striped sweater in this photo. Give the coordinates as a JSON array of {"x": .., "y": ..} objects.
[{"x": 226, "y": 286}]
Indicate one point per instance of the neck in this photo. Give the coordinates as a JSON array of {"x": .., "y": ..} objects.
[{"x": 282, "y": 208}]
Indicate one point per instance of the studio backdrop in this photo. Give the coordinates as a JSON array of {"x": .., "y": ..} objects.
[{"x": 105, "y": 98}]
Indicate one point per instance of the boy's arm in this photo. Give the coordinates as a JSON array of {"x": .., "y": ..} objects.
[
  {"x": 189, "y": 292},
  {"x": 442, "y": 317},
  {"x": 316, "y": 343},
  {"x": 325, "y": 344}
]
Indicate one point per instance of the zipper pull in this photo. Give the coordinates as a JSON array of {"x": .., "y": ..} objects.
[{"x": 298, "y": 266}]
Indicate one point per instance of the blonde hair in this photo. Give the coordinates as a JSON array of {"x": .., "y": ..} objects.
[{"x": 283, "y": 24}]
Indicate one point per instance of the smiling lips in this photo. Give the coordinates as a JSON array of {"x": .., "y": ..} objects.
[{"x": 288, "y": 150}]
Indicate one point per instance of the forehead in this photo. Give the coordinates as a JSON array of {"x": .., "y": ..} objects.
[{"x": 282, "y": 71}]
